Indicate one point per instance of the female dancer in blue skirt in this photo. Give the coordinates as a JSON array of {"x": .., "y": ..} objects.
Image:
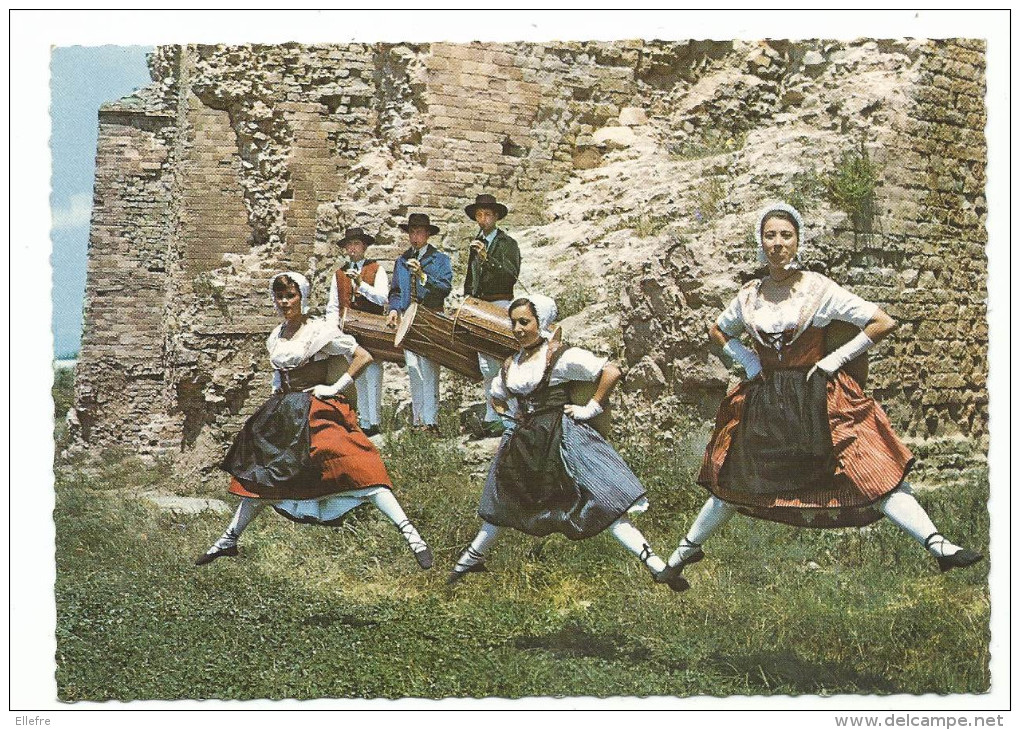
[{"x": 553, "y": 472}]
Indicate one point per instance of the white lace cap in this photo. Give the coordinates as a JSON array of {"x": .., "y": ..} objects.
[
  {"x": 303, "y": 286},
  {"x": 786, "y": 208},
  {"x": 545, "y": 309}
]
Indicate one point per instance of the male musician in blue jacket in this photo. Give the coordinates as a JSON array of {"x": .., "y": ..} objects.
[{"x": 422, "y": 274}]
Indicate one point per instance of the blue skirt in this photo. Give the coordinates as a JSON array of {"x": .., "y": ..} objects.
[{"x": 555, "y": 474}]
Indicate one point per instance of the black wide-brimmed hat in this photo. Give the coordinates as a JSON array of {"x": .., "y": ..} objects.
[
  {"x": 486, "y": 201},
  {"x": 356, "y": 234},
  {"x": 419, "y": 219}
]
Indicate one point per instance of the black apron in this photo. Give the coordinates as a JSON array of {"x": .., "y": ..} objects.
[
  {"x": 273, "y": 448},
  {"x": 783, "y": 443},
  {"x": 553, "y": 474}
]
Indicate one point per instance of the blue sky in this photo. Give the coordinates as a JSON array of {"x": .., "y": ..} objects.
[{"x": 82, "y": 79}]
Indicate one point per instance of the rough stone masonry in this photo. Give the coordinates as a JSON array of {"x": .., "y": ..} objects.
[{"x": 633, "y": 171}]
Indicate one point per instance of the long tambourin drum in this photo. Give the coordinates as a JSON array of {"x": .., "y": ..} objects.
[
  {"x": 371, "y": 332},
  {"x": 485, "y": 327},
  {"x": 430, "y": 334}
]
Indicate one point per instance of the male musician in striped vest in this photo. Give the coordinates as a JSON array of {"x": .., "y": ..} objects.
[
  {"x": 494, "y": 263},
  {"x": 424, "y": 274},
  {"x": 361, "y": 284}
]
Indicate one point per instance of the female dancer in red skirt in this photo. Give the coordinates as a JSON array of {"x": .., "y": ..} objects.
[
  {"x": 799, "y": 442},
  {"x": 302, "y": 451}
]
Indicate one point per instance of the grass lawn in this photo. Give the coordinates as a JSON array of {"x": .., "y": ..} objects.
[{"x": 308, "y": 612}]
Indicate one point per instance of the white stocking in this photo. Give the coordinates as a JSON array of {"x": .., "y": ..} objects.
[
  {"x": 246, "y": 512},
  {"x": 906, "y": 513},
  {"x": 389, "y": 506},
  {"x": 632, "y": 539},
  {"x": 714, "y": 514},
  {"x": 386, "y": 503},
  {"x": 476, "y": 551}
]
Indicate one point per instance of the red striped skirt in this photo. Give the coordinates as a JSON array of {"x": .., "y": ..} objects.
[
  {"x": 342, "y": 455},
  {"x": 868, "y": 461}
]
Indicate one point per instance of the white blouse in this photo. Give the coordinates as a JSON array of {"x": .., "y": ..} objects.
[
  {"x": 574, "y": 364},
  {"x": 315, "y": 340},
  {"x": 828, "y": 299}
]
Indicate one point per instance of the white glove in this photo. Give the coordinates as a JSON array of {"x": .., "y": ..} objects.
[
  {"x": 331, "y": 391},
  {"x": 843, "y": 354},
  {"x": 582, "y": 413},
  {"x": 746, "y": 357}
]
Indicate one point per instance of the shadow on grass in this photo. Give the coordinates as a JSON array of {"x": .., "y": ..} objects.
[
  {"x": 784, "y": 671},
  {"x": 574, "y": 641}
]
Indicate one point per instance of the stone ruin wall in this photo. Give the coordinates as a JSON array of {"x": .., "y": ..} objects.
[
  {"x": 921, "y": 255},
  {"x": 634, "y": 165}
]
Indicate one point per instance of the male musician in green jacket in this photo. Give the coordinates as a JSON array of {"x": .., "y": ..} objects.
[{"x": 494, "y": 263}]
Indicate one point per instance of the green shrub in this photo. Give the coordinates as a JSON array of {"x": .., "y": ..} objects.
[
  {"x": 63, "y": 399},
  {"x": 645, "y": 224},
  {"x": 851, "y": 187},
  {"x": 804, "y": 190},
  {"x": 711, "y": 194},
  {"x": 710, "y": 142}
]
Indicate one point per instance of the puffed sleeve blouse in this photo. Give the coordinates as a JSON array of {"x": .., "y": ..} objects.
[
  {"x": 315, "y": 340},
  {"x": 574, "y": 364},
  {"x": 829, "y": 300}
]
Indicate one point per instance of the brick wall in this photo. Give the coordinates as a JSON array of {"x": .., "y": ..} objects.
[
  {"x": 925, "y": 261},
  {"x": 120, "y": 378},
  {"x": 213, "y": 218},
  {"x": 245, "y": 160}
]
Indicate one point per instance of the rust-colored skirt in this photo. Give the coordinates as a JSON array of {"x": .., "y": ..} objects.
[
  {"x": 299, "y": 447},
  {"x": 838, "y": 486}
]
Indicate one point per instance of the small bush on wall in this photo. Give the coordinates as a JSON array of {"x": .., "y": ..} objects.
[{"x": 851, "y": 187}]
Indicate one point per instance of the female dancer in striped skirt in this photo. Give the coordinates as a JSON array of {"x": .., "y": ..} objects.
[
  {"x": 553, "y": 472},
  {"x": 799, "y": 442}
]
